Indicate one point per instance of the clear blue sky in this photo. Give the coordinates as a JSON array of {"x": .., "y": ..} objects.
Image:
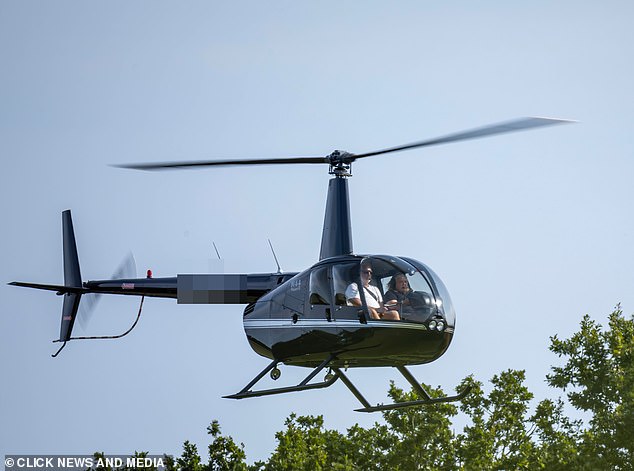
[{"x": 529, "y": 231}]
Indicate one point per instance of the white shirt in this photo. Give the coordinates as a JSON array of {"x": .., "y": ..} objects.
[{"x": 352, "y": 291}]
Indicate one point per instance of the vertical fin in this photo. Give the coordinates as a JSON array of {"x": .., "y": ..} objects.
[{"x": 72, "y": 277}]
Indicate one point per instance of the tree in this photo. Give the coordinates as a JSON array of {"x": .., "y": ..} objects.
[
  {"x": 498, "y": 437},
  {"x": 558, "y": 437},
  {"x": 419, "y": 437},
  {"x": 598, "y": 376},
  {"x": 190, "y": 459},
  {"x": 224, "y": 453},
  {"x": 306, "y": 445}
]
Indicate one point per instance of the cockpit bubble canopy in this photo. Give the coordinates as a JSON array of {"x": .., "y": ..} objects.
[{"x": 415, "y": 290}]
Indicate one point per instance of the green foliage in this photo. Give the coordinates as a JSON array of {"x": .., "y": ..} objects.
[
  {"x": 369, "y": 447},
  {"x": 419, "y": 437},
  {"x": 504, "y": 428},
  {"x": 224, "y": 454},
  {"x": 599, "y": 377},
  {"x": 557, "y": 437},
  {"x": 499, "y": 436},
  {"x": 189, "y": 460},
  {"x": 306, "y": 445}
]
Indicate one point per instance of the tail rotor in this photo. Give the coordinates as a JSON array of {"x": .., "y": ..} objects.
[{"x": 126, "y": 269}]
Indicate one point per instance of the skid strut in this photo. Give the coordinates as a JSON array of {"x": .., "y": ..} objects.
[
  {"x": 303, "y": 386},
  {"x": 338, "y": 374}
]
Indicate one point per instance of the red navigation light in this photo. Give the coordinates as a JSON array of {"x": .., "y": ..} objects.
[{"x": 149, "y": 273}]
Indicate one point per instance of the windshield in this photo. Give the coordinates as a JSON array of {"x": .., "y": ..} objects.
[
  {"x": 443, "y": 300},
  {"x": 385, "y": 288}
]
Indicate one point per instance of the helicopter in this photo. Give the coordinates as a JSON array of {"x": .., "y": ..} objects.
[{"x": 331, "y": 316}]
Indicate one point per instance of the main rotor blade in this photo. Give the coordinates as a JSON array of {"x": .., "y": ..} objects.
[
  {"x": 499, "y": 128},
  {"x": 224, "y": 163},
  {"x": 337, "y": 158}
]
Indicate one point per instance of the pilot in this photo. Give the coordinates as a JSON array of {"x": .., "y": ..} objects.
[
  {"x": 372, "y": 296},
  {"x": 398, "y": 293}
]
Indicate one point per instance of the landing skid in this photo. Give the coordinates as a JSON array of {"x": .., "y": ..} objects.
[
  {"x": 336, "y": 374},
  {"x": 427, "y": 399}
]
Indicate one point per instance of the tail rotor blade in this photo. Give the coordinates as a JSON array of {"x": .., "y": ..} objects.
[
  {"x": 126, "y": 269},
  {"x": 86, "y": 309}
]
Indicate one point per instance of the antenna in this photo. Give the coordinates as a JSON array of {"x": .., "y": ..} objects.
[
  {"x": 279, "y": 269},
  {"x": 216, "y": 266},
  {"x": 216, "y": 249}
]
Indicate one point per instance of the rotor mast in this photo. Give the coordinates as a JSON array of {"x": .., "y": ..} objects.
[{"x": 336, "y": 237}]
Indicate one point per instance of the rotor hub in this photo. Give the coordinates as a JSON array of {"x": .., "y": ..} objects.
[{"x": 340, "y": 163}]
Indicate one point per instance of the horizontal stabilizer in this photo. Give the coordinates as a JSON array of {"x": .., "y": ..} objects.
[{"x": 61, "y": 289}]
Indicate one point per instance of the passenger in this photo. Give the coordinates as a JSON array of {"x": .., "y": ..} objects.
[
  {"x": 372, "y": 295},
  {"x": 398, "y": 293}
]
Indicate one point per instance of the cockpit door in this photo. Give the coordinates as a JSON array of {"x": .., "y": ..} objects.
[
  {"x": 320, "y": 294},
  {"x": 343, "y": 275},
  {"x": 296, "y": 296}
]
